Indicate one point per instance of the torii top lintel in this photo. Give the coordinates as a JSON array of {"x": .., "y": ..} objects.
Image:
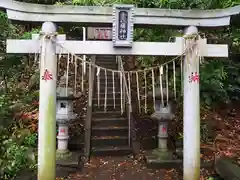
[{"x": 96, "y": 15}]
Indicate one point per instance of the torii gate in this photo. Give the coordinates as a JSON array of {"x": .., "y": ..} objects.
[{"x": 47, "y": 114}]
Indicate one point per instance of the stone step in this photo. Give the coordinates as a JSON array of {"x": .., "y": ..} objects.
[
  {"x": 107, "y": 64},
  {"x": 109, "y": 121},
  {"x": 111, "y": 151},
  {"x": 109, "y": 84},
  {"x": 108, "y": 114},
  {"x": 106, "y": 59},
  {"x": 109, "y": 95},
  {"x": 109, "y": 88},
  {"x": 109, "y": 101},
  {"x": 109, "y": 107},
  {"x": 110, "y": 79},
  {"x": 109, "y": 131},
  {"x": 109, "y": 141},
  {"x": 109, "y": 75}
]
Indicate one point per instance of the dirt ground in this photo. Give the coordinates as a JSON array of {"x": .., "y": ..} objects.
[
  {"x": 125, "y": 168},
  {"x": 226, "y": 142},
  {"x": 121, "y": 168}
]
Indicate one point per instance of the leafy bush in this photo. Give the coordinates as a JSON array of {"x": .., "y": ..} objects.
[
  {"x": 16, "y": 156},
  {"x": 213, "y": 76},
  {"x": 18, "y": 145}
]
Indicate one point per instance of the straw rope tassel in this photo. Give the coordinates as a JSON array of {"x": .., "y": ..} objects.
[
  {"x": 199, "y": 50},
  {"x": 199, "y": 56},
  {"x": 124, "y": 89},
  {"x": 129, "y": 91},
  {"x": 59, "y": 62},
  {"x": 174, "y": 80},
  {"x": 43, "y": 64},
  {"x": 68, "y": 61},
  {"x": 72, "y": 58},
  {"x": 35, "y": 58},
  {"x": 145, "y": 84},
  {"x": 187, "y": 45},
  {"x": 153, "y": 89},
  {"x": 181, "y": 71},
  {"x": 105, "y": 99},
  {"x": 98, "y": 85},
  {"x": 167, "y": 93},
  {"x": 84, "y": 64},
  {"x": 182, "y": 63},
  {"x": 121, "y": 91},
  {"x": 40, "y": 51},
  {"x": 114, "y": 103},
  {"x": 161, "y": 84},
  {"x": 138, "y": 93},
  {"x": 75, "y": 77},
  {"x": 83, "y": 74},
  {"x": 90, "y": 78}
]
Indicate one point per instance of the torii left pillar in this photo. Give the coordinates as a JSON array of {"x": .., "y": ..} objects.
[
  {"x": 47, "y": 104},
  {"x": 47, "y": 95}
]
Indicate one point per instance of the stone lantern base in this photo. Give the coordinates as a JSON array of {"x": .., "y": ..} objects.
[
  {"x": 162, "y": 159},
  {"x": 63, "y": 154},
  {"x": 162, "y": 154}
]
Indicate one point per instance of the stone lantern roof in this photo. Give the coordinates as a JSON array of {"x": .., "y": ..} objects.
[{"x": 63, "y": 92}]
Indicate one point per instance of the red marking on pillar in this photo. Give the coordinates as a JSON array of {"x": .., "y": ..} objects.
[
  {"x": 194, "y": 77},
  {"x": 62, "y": 130},
  {"x": 47, "y": 75}
]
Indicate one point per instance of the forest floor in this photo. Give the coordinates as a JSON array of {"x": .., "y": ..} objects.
[
  {"x": 120, "y": 168},
  {"x": 225, "y": 124}
]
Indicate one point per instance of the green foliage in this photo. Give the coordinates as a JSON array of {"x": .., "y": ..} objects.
[
  {"x": 18, "y": 145},
  {"x": 210, "y": 178},
  {"x": 15, "y": 156},
  {"x": 173, "y": 4},
  {"x": 232, "y": 84},
  {"x": 213, "y": 77},
  {"x": 204, "y": 132},
  {"x": 31, "y": 140},
  {"x": 39, "y": 1},
  {"x": 5, "y": 111}
]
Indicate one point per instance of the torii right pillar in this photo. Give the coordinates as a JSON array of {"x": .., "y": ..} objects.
[{"x": 191, "y": 108}]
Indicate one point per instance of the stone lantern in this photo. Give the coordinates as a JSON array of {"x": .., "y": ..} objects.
[
  {"x": 64, "y": 114},
  {"x": 163, "y": 115}
]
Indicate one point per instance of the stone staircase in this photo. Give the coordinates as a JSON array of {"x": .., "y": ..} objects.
[{"x": 110, "y": 127}]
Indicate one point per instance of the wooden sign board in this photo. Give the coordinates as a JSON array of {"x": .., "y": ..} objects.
[
  {"x": 99, "y": 33},
  {"x": 123, "y": 22}
]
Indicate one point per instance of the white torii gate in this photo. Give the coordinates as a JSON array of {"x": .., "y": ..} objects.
[{"x": 47, "y": 95}]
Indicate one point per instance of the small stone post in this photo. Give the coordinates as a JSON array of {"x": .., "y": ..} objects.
[
  {"x": 191, "y": 110},
  {"x": 47, "y": 105}
]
